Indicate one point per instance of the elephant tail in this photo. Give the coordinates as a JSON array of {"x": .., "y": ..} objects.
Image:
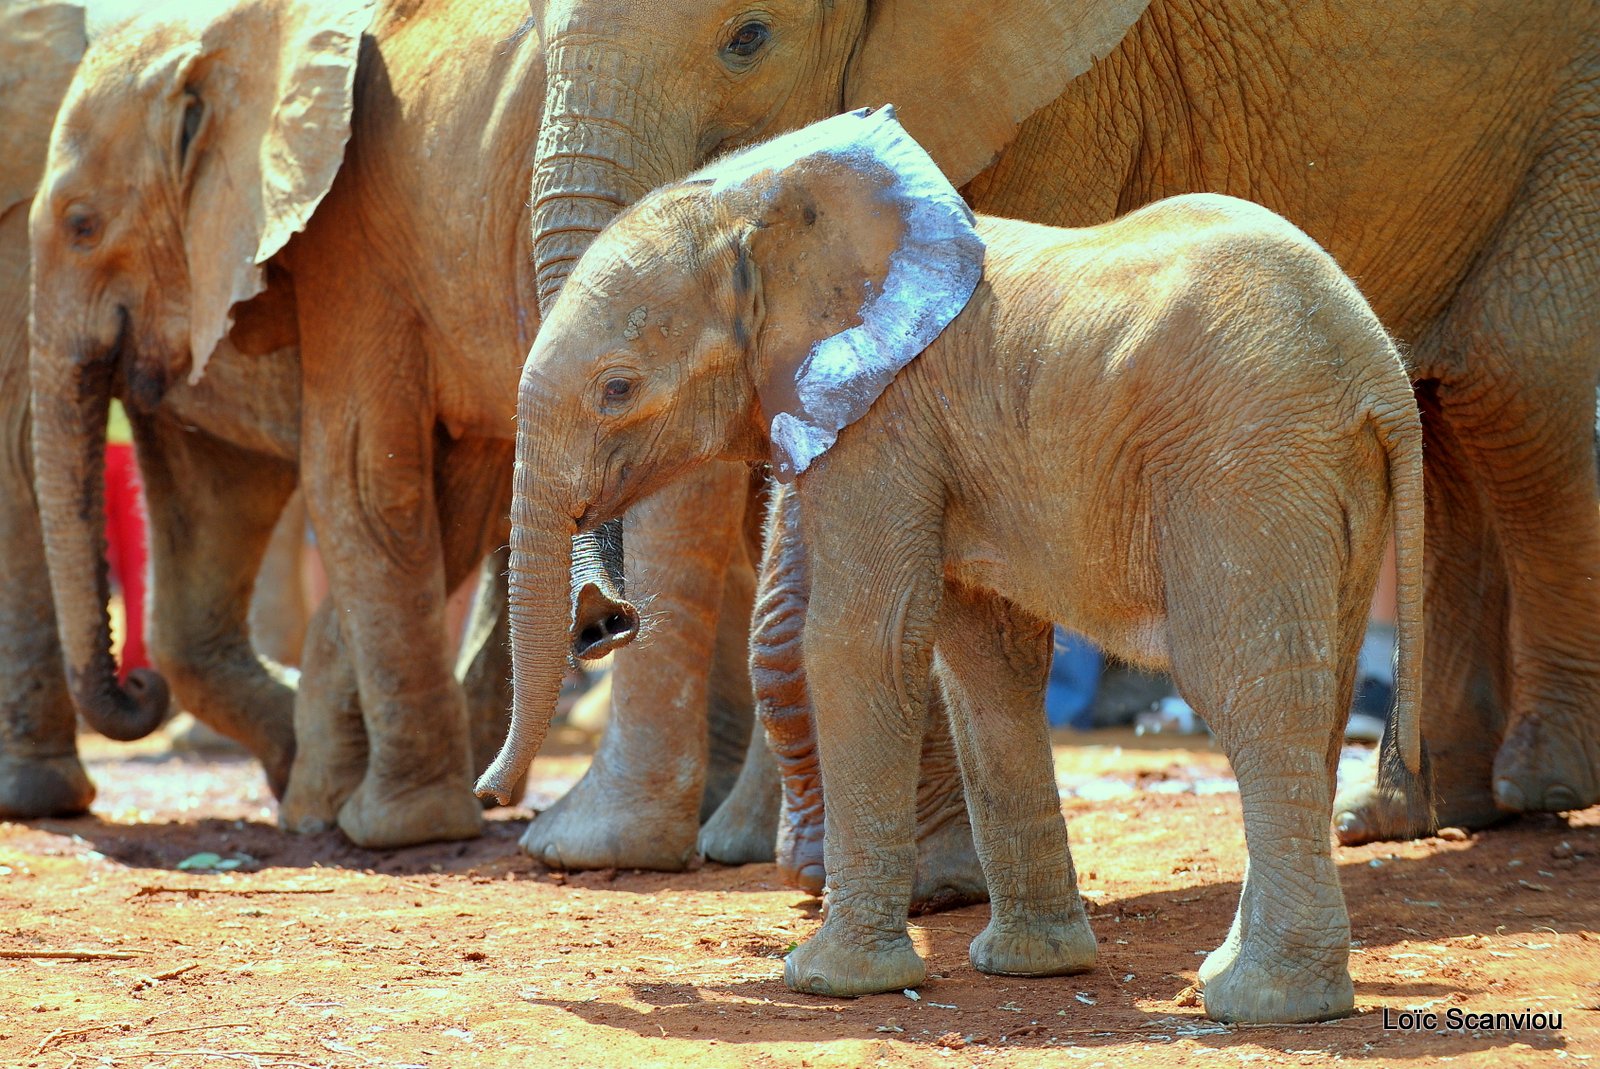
[{"x": 1403, "y": 764}]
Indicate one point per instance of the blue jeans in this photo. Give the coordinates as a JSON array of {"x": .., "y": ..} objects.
[{"x": 1074, "y": 678}]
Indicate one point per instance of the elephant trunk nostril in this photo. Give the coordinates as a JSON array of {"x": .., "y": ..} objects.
[{"x": 612, "y": 632}]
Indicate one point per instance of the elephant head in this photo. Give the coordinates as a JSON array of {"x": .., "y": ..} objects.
[
  {"x": 191, "y": 145},
  {"x": 749, "y": 312},
  {"x": 639, "y": 94}
]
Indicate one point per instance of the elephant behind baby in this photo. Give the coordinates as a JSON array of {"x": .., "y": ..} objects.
[
  {"x": 350, "y": 177},
  {"x": 219, "y": 464},
  {"x": 1445, "y": 164}
]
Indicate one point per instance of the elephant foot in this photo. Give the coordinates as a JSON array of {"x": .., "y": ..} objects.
[
  {"x": 32, "y": 787},
  {"x": 949, "y": 874},
  {"x": 317, "y": 790},
  {"x": 1239, "y": 986},
  {"x": 301, "y": 814},
  {"x": 436, "y": 812},
  {"x": 744, "y": 829},
  {"x": 842, "y": 964},
  {"x": 1368, "y": 811},
  {"x": 595, "y": 828},
  {"x": 1544, "y": 767},
  {"x": 1034, "y": 946},
  {"x": 799, "y": 844}
]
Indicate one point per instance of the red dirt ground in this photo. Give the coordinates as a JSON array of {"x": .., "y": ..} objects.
[{"x": 314, "y": 953}]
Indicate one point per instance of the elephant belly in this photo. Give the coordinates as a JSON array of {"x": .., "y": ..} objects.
[{"x": 1069, "y": 583}]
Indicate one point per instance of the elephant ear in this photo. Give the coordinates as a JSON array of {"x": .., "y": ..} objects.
[
  {"x": 40, "y": 45},
  {"x": 966, "y": 75},
  {"x": 265, "y": 111},
  {"x": 863, "y": 252}
]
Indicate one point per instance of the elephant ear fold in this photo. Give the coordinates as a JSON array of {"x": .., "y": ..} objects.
[
  {"x": 966, "y": 75},
  {"x": 863, "y": 253},
  {"x": 261, "y": 124},
  {"x": 40, "y": 45}
]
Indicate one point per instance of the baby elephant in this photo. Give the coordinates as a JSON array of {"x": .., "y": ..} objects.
[{"x": 1182, "y": 433}]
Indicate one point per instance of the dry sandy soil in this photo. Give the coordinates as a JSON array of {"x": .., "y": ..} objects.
[{"x": 313, "y": 953}]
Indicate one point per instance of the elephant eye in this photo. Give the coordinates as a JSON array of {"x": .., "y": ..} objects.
[
  {"x": 747, "y": 40},
  {"x": 82, "y": 227},
  {"x": 617, "y": 390},
  {"x": 194, "y": 112}
]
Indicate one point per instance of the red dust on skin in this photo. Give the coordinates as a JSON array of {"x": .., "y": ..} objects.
[{"x": 315, "y": 952}]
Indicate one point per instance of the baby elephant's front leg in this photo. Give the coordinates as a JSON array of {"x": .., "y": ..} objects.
[{"x": 868, "y": 651}]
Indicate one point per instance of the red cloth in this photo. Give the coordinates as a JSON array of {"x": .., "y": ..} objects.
[{"x": 125, "y": 551}]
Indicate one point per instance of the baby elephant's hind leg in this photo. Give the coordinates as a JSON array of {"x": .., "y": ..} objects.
[
  {"x": 1254, "y": 660},
  {"x": 991, "y": 664}
]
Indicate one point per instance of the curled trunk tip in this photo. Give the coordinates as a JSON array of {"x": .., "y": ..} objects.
[{"x": 128, "y": 712}]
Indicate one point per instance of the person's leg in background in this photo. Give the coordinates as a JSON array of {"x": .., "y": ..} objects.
[
  {"x": 1375, "y": 667},
  {"x": 1074, "y": 678}
]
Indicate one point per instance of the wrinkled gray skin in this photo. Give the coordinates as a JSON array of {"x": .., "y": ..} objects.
[
  {"x": 1463, "y": 213},
  {"x": 943, "y": 535},
  {"x": 216, "y": 475},
  {"x": 402, "y": 457},
  {"x": 218, "y": 460}
]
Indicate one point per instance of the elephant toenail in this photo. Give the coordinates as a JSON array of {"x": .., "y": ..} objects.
[
  {"x": 1561, "y": 799},
  {"x": 551, "y": 856},
  {"x": 1350, "y": 827},
  {"x": 1510, "y": 796}
]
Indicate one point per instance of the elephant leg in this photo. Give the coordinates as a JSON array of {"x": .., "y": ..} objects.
[
  {"x": 744, "y": 829},
  {"x": 638, "y": 803},
  {"x": 1465, "y": 687},
  {"x": 731, "y": 712},
  {"x": 783, "y": 703},
  {"x": 948, "y": 873},
  {"x": 40, "y": 774},
  {"x": 331, "y": 754},
  {"x": 1256, "y": 659},
  {"x": 278, "y": 612},
  {"x": 868, "y": 653},
  {"x": 1521, "y": 349},
  {"x": 212, "y": 509},
  {"x": 474, "y": 515},
  {"x": 744, "y": 825},
  {"x": 368, "y": 452},
  {"x": 991, "y": 663},
  {"x": 483, "y": 662}
]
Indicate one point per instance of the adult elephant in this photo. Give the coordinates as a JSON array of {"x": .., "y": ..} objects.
[
  {"x": 217, "y": 472},
  {"x": 1447, "y": 164},
  {"x": 403, "y": 288}
]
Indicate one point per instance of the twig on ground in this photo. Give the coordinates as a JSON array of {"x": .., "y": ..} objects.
[
  {"x": 44, "y": 1043},
  {"x": 196, "y": 892},
  {"x": 408, "y": 885},
  {"x": 218, "y": 1053},
  {"x": 199, "y": 1028},
  {"x": 61, "y": 1033},
  {"x": 72, "y": 955}
]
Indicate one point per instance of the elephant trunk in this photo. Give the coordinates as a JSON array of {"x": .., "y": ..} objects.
[
  {"x": 71, "y": 397},
  {"x": 593, "y": 158},
  {"x": 564, "y": 596}
]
